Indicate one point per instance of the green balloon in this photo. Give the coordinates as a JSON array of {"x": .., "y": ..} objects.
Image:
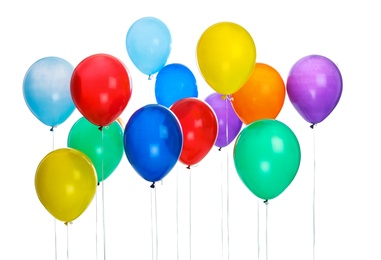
[
  {"x": 267, "y": 157},
  {"x": 104, "y": 146}
]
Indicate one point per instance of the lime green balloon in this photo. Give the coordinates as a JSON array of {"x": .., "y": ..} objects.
[
  {"x": 267, "y": 157},
  {"x": 104, "y": 146}
]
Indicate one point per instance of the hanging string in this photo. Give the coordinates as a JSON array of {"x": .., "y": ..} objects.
[
  {"x": 177, "y": 212},
  {"x": 266, "y": 235},
  {"x": 258, "y": 229},
  {"x": 67, "y": 241},
  {"x": 190, "y": 213},
  {"x": 313, "y": 192},
  {"x": 154, "y": 231},
  {"x": 54, "y": 219},
  {"x": 227, "y": 176},
  {"x": 103, "y": 198}
]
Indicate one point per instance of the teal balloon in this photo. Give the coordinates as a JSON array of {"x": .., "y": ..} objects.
[
  {"x": 104, "y": 146},
  {"x": 267, "y": 157}
]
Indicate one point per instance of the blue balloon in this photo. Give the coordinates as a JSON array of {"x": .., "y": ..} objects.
[
  {"x": 174, "y": 82},
  {"x": 46, "y": 90},
  {"x": 148, "y": 44},
  {"x": 153, "y": 141}
]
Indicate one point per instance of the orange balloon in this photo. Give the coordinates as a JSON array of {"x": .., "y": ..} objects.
[{"x": 261, "y": 97}]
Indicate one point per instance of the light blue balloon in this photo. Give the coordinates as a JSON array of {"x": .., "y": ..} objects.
[
  {"x": 46, "y": 90},
  {"x": 148, "y": 44},
  {"x": 174, "y": 82}
]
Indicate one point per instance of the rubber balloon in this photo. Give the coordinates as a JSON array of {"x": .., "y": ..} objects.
[
  {"x": 314, "y": 86},
  {"x": 101, "y": 88},
  {"x": 104, "y": 147},
  {"x": 46, "y": 90},
  {"x": 261, "y": 97},
  {"x": 267, "y": 157},
  {"x": 200, "y": 128},
  {"x": 229, "y": 124},
  {"x": 226, "y": 55},
  {"x": 153, "y": 141},
  {"x": 65, "y": 183}
]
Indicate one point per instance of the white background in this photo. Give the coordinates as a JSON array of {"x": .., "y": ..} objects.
[{"x": 347, "y": 150}]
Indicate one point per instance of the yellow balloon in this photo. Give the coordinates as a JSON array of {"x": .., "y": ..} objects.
[
  {"x": 226, "y": 56},
  {"x": 65, "y": 183}
]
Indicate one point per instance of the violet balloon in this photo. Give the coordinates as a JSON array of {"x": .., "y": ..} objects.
[
  {"x": 314, "y": 87},
  {"x": 229, "y": 124}
]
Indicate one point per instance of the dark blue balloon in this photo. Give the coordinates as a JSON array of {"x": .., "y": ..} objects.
[
  {"x": 153, "y": 141},
  {"x": 174, "y": 82}
]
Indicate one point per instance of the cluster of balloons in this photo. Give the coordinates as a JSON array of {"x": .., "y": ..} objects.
[{"x": 247, "y": 97}]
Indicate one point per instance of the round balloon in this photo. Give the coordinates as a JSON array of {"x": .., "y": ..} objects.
[
  {"x": 314, "y": 86},
  {"x": 200, "y": 128},
  {"x": 101, "y": 88},
  {"x": 226, "y": 55},
  {"x": 46, "y": 90},
  {"x": 267, "y": 157},
  {"x": 153, "y": 141},
  {"x": 148, "y": 44},
  {"x": 261, "y": 97},
  {"x": 103, "y": 146},
  {"x": 173, "y": 82},
  {"x": 229, "y": 124},
  {"x": 65, "y": 183}
]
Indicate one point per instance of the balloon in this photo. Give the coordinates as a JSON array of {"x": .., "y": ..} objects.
[
  {"x": 199, "y": 124},
  {"x": 173, "y": 82},
  {"x": 267, "y": 157},
  {"x": 226, "y": 56},
  {"x": 314, "y": 86},
  {"x": 104, "y": 147},
  {"x": 101, "y": 88},
  {"x": 46, "y": 90},
  {"x": 65, "y": 183},
  {"x": 153, "y": 141},
  {"x": 148, "y": 44},
  {"x": 229, "y": 123},
  {"x": 261, "y": 97}
]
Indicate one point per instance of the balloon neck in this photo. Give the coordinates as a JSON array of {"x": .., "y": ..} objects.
[
  {"x": 188, "y": 167},
  {"x": 152, "y": 185},
  {"x": 149, "y": 77},
  {"x": 313, "y": 125},
  {"x": 100, "y": 128},
  {"x": 67, "y": 222},
  {"x": 219, "y": 149},
  {"x": 52, "y": 128},
  {"x": 266, "y": 202}
]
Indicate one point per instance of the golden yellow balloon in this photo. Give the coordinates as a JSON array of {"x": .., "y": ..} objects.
[
  {"x": 65, "y": 183},
  {"x": 226, "y": 56}
]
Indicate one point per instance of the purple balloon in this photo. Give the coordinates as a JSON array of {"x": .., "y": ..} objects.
[
  {"x": 314, "y": 87},
  {"x": 229, "y": 124}
]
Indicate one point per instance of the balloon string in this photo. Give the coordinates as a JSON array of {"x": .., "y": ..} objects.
[
  {"x": 190, "y": 213},
  {"x": 267, "y": 220},
  {"x": 154, "y": 232},
  {"x": 55, "y": 220},
  {"x": 67, "y": 241},
  {"x": 177, "y": 212},
  {"x": 103, "y": 198},
  {"x": 313, "y": 194},
  {"x": 258, "y": 229}
]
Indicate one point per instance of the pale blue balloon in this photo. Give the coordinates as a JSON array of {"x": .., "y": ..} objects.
[
  {"x": 148, "y": 44},
  {"x": 46, "y": 90}
]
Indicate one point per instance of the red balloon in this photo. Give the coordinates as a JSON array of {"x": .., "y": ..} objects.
[
  {"x": 101, "y": 88},
  {"x": 200, "y": 127}
]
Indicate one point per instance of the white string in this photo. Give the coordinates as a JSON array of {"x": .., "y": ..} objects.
[
  {"x": 67, "y": 240},
  {"x": 227, "y": 178},
  {"x": 313, "y": 195},
  {"x": 177, "y": 212},
  {"x": 55, "y": 220},
  {"x": 190, "y": 213},
  {"x": 267, "y": 219},
  {"x": 258, "y": 229},
  {"x": 154, "y": 232}
]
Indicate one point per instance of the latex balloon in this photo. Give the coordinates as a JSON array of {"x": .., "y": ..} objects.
[
  {"x": 261, "y": 97},
  {"x": 46, "y": 90},
  {"x": 314, "y": 86},
  {"x": 103, "y": 146},
  {"x": 101, "y": 88},
  {"x": 65, "y": 183},
  {"x": 153, "y": 141},
  {"x": 267, "y": 157},
  {"x": 173, "y": 82},
  {"x": 149, "y": 44},
  {"x": 226, "y": 55},
  {"x": 229, "y": 124},
  {"x": 200, "y": 128}
]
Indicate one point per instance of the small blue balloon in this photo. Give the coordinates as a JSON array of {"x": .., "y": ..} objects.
[
  {"x": 46, "y": 90},
  {"x": 153, "y": 141},
  {"x": 148, "y": 44},
  {"x": 174, "y": 82}
]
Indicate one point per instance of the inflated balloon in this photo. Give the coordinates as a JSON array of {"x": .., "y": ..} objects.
[
  {"x": 46, "y": 90},
  {"x": 153, "y": 141},
  {"x": 200, "y": 128},
  {"x": 173, "y": 82},
  {"x": 104, "y": 147},
  {"x": 149, "y": 44},
  {"x": 314, "y": 86},
  {"x": 229, "y": 124},
  {"x": 267, "y": 157},
  {"x": 261, "y": 97},
  {"x": 101, "y": 88},
  {"x": 226, "y": 55},
  {"x": 65, "y": 183}
]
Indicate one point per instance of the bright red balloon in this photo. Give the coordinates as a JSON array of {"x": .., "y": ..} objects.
[
  {"x": 101, "y": 88},
  {"x": 200, "y": 128}
]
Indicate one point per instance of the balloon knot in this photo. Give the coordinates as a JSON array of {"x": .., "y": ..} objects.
[
  {"x": 219, "y": 149},
  {"x": 98, "y": 183},
  {"x": 152, "y": 185},
  {"x": 313, "y": 125},
  {"x": 52, "y": 129},
  {"x": 188, "y": 167},
  {"x": 149, "y": 77},
  {"x": 100, "y": 128},
  {"x": 266, "y": 202}
]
